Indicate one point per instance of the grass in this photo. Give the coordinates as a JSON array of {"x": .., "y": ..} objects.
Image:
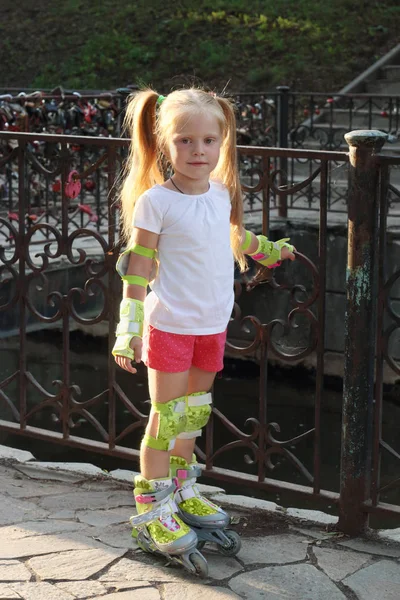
[{"x": 249, "y": 44}]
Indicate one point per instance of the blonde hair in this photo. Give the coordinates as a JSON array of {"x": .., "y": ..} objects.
[{"x": 150, "y": 126}]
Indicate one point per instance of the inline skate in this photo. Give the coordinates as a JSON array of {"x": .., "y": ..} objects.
[
  {"x": 157, "y": 527},
  {"x": 208, "y": 520}
]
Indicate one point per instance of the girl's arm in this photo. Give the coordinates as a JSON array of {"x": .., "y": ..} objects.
[
  {"x": 139, "y": 265},
  {"x": 261, "y": 249},
  {"x": 135, "y": 266}
]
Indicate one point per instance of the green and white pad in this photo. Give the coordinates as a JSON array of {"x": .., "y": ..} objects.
[
  {"x": 123, "y": 263},
  {"x": 131, "y": 314},
  {"x": 198, "y": 413},
  {"x": 171, "y": 422},
  {"x": 269, "y": 253}
]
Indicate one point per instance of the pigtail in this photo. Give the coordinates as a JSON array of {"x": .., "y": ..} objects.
[
  {"x": 227, "y": 171},
  {"x": 142, "y": 168}
]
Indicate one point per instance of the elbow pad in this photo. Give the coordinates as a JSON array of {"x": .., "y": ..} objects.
[{"x": 123, "y": 263}]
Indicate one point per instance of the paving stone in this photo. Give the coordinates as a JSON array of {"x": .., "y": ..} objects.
[
  {"x": 35, "y": 472},
  {"x": 87, "y": 500},
  {"x": 363, "y": 545},
  {"x": 291, "y": 582},
  {"x": 103, "y": 518},
  {"x": 134, "y": 570},
  {"x": 16, "y": 511},
  {"x": 45, "y": 544},
  {"x": 6, "y": 593},
  {"x": 380, "y": 581},
  {"x": 208, "y": 490},
  {"x": 123, "y": 475},
  {"x": 312, "y": 533},
  {"x": 148, "y": 594},
  {"x": 13, "y": 570},
  {"x": 66, "y": 515},
  {"x": 274, "y": 549},
  {"x": 29, "y": 489},
  {"x": 392, "y": 535},
  {"x": 106, "y": 485},
  {"x": 221, "y": 567},
  {"x": 119, "y": 586},
  {"x": 82, "y": 589},
  {"x": 34, "y": 528},
  {"x": 116, "y": 536},
  {"x": 39, "y": 591},
  {"x": 9, "y": 473},
  {"x": 12, "y": 453},
  {"x": 338, "y": 564},
  {"x": 195, "y": 591},
  {"x": 73, "y": 565},
  {"x": 79, "y": 468},
  {"x": 245, "y": 502},
  {"x": 313, "y": 516}
]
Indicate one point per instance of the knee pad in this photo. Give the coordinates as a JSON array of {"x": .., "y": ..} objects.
[
  {"x": 198, "y": 413},
  {"x": 171, "y": 422}
]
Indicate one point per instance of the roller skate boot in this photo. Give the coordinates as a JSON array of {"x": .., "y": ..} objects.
[
  {"x": 208, "y": 520},
  {"x": 158, "y": 528}
]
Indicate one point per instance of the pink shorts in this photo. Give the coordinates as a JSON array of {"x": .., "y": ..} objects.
[{"x": 176, "y": 353}]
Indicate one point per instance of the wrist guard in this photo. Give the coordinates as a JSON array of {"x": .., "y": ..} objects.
[
  {"x": 268, "y": 253},
  {"x": 130, "y": 325}
]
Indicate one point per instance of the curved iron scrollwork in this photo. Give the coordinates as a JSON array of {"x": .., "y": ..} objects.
[
  {"x": 29, "y": 265},
  {"x": 264, "y": 445}
]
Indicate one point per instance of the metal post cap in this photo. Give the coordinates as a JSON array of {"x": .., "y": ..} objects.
[{"x": 372, "y": 138}]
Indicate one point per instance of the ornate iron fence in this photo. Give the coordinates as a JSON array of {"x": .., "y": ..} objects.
[
  {"x": 280, "y": 118},
  {"x": 32, "y": 409}
]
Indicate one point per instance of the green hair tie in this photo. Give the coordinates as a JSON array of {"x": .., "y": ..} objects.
[{"x": 160, "y": 99}]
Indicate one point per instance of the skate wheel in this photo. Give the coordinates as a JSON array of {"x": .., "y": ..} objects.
[
  {"x": 235, "y": 543},
  {"x": 199, "y": 564}
]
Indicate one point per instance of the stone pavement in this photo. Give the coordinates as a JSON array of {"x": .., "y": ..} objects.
[{"x": 64, "y": 534}]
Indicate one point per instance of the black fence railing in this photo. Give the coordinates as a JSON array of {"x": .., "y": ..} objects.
[
  {"x": 110, "y": 418},
  {"x": 283, "y": 189},
  {"x": 280, "y": 118}
]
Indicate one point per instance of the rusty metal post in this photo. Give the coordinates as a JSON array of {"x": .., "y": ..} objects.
[
  {"x": 360, "y": 328},
  {"x": 282, "y": 120}
]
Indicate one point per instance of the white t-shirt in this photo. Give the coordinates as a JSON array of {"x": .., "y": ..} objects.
[{"x": 192, "y": 293}]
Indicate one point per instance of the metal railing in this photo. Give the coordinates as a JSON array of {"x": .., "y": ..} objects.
[
  {"x": 268, "y": 174},
  {"x": 280, "y": 118},
  {"x": 294, "y": 334}
]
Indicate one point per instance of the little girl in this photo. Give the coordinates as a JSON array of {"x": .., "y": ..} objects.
[{"x": 189, "y": 226}]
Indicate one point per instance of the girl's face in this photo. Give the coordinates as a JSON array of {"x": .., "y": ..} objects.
[{"x": 195, "y": 146}]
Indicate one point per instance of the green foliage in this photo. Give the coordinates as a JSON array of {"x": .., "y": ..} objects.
[{"x": 254, "y": 44}]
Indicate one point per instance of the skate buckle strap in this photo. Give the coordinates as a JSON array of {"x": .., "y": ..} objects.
[
  {"x": 156, "y": 496},
  {"x": 166, "y": 508},
  {"x": 192, "y": 471},
  {"x": 145, "y": 499}
]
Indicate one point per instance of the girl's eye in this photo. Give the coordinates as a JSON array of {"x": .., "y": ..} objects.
[
  {"x": 185, "y": 140},
  {"x": 209, "y": 140}
]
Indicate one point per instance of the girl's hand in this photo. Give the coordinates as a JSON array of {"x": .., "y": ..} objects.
[
  {"x": 124, "y": 362},
  {"x": 286, "y": 254}
]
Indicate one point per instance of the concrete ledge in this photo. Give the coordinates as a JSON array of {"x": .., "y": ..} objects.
[
  {"x": 15, "y": 455},
  {"x": 310, "y": 516}
]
